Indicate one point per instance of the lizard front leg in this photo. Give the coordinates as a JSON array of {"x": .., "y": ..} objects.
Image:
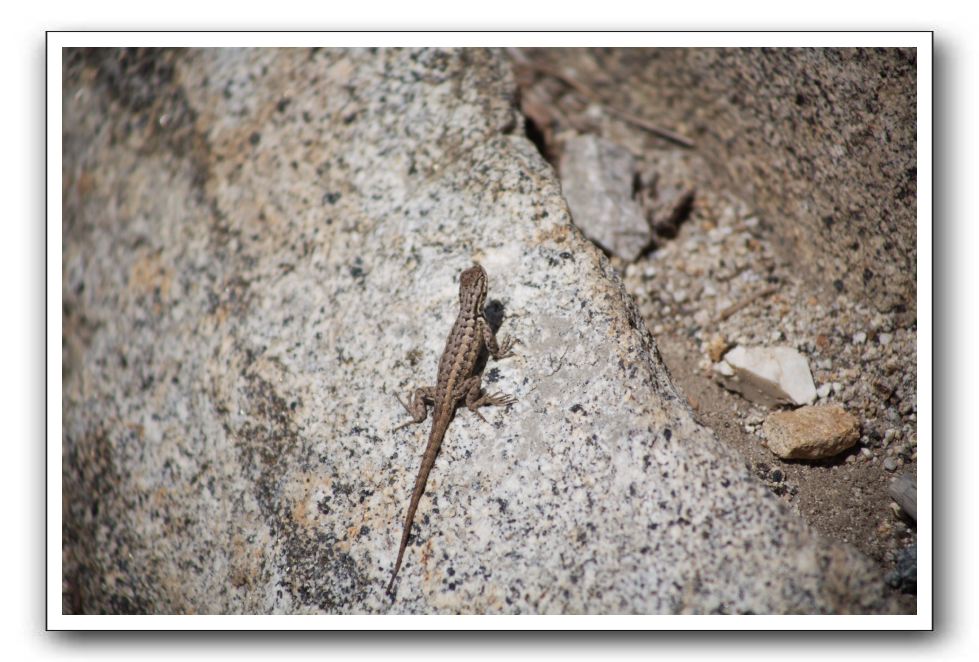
[
  {"x": 418, "y": 410},
  {"x": 472, "y": 390},
  {"x": 497, "y": 351}
]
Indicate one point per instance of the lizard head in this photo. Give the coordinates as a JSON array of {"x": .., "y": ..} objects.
[{"x": 472, "y": 288}]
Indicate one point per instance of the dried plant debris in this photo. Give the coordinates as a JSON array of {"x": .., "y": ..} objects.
[{"x": 528, "y": 68}]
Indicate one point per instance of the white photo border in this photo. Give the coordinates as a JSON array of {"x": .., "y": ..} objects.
[{"x": 922, "y": 41}]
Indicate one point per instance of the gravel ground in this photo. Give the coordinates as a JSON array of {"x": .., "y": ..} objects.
[
  {"x": 724, "y": 279},
  {"x": 860, "y": 359}
]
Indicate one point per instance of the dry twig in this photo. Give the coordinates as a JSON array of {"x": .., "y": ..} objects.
[
  {"x": 589, "y": 94},
  {"x": 735, "y": 307}
]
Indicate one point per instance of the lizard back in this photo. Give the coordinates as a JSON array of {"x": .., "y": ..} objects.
[{"x": 456, "y": 364}]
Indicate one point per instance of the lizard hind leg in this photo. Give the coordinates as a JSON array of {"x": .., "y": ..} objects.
[
  {"x": 418, "y": 409},
  {"x": 476, "y": 398}
]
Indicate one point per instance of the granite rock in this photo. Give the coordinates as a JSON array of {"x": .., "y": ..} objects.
[
  {"x": 904, "y": 577},
  {"x": 597, "y": 181},
  {"x": 261, "y": 249}
]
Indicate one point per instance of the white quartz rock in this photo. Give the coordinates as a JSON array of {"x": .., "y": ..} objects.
[{"x": 767, "y": 375}]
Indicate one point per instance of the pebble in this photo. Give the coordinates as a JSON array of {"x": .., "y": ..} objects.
[
  {"x": 905, "y": 574},
  {"x": 824, "y": 391},
  {"x": 767, "y": 375},
  {"x": 811, "y": 433},
  {"x": 859, "y": 338},
  {"x": 884, "y": 338}
]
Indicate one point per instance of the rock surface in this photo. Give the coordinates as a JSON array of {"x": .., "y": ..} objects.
[
  {"x": 905, "y": 575},
  {"x": 811, "y": 433},
  {"x": 597, "y": 181},
  {"x": 261, "y": 248},
  {"x": 767, "y": 375},
  {"x": 904, "y": 490}
]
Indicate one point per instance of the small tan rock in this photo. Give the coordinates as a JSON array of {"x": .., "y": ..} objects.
[
  {"x": 716, "y": 347},
  {"x": 811, "y": 433}
]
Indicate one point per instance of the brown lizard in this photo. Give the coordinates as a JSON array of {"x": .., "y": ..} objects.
[{"x": 455, "y": 381}]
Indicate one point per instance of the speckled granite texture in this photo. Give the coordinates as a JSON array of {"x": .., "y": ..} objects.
[
  {"x": 822, "y": 140},
  {"x": 261, "y": 248}
]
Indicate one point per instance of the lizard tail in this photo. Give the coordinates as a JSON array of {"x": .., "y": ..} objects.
[
  {"x": 428, "y": 461},
  {"x": 412, "y": 507}
]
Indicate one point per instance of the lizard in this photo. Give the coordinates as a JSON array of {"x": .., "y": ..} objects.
[{"x": 455, "y": 381}]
